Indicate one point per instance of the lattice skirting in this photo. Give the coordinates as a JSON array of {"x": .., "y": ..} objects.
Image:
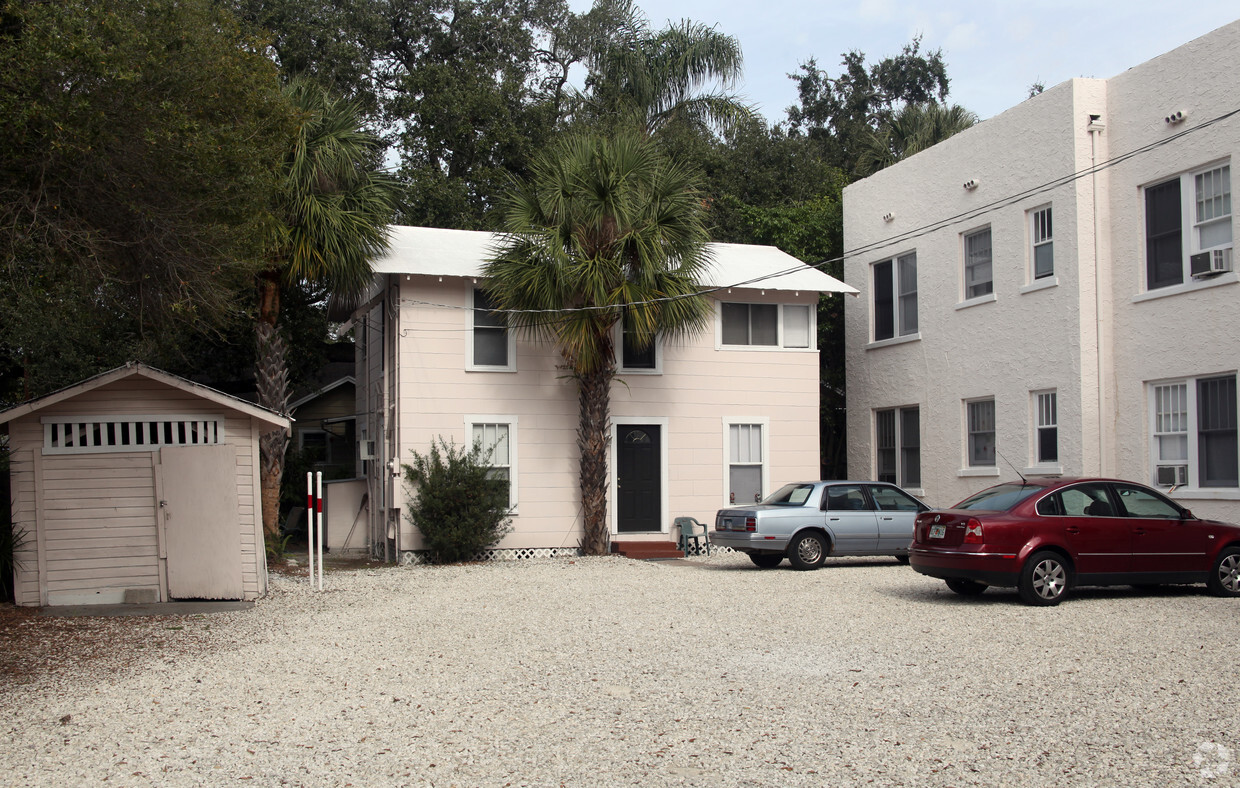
[{"x": 512, "y": 554}]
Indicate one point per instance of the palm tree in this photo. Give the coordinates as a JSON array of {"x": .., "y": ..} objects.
[
  {"x": 654, "y": 78},
  {"x": 913, "y": 129},
  {"x": 605, "y": 229},
  {"x": 330, "y": 220}
]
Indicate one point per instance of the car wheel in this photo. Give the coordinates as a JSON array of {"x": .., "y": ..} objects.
[
  {"x": 903, "y": 559},
  {"x": 807, "y": 551},
  {"x": 1044, "y": 579},
  {"x": 966, "y": 587},
  {"x": 765, "y": 560},
  {"x": 1225, "y": 576}
]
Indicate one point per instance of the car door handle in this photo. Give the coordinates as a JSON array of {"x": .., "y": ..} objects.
[
  {"x": 1072, "y": 529},
  {"x": 888, "y": 518},
  {"x": 1138, "y": 531}
]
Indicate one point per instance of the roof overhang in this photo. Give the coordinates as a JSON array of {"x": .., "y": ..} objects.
[{"x": 430, "y": 251}]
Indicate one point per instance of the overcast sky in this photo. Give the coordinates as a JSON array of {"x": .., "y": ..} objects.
[{"x": 994, "y": 50}]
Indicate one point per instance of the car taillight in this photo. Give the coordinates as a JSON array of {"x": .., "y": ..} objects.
[
  {"x": 973, "y": 532},
  {"x": 751, "y": 523}
]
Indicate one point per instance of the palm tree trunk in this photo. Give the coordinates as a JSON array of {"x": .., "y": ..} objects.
[
  {"x": 593, "y": 437},
  {"x": 271, "y": 379}
]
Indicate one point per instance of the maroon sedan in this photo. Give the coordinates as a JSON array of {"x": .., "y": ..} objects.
[{"x": 1046, "y": 536}]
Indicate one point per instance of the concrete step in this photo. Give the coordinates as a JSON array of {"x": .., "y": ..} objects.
[{"x": 647, "y": 550}]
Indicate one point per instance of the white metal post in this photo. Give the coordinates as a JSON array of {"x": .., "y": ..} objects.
[
  {"x": 310, "y": 523},
  {"x": 319, "y": 538}
]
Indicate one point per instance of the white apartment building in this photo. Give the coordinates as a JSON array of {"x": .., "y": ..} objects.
[{"x": 1054, "y": 292}]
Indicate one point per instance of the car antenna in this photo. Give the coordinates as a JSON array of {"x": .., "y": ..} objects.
[{"x": 1023, "y": 480}]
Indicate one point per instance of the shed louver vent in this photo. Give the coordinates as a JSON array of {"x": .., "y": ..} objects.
[{"x": 98, "y": 434}]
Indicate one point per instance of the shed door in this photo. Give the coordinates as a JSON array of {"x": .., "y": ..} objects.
[{"x": 201, "y": 528}]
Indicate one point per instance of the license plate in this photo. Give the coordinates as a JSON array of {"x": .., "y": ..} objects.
[{"x": 938, "y": 531}]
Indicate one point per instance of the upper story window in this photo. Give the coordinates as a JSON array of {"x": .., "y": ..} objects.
[
  {"x": 895, "y": 297},
  {"x": 981, "y": 432},
  {"x": 766, "y": 325},
  {"x": 1193, "y": 426},
  {"x": 633, "y": 357},
  {"x": 978, "y": 273},
  {"x": 1188, "y": 227},
  {"x": 491, "y": 345},
  {"x": 1041, "y": 242}
]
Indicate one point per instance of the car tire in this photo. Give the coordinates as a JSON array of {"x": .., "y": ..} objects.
[
  {"x": 966, "y": 587},
  {"x": 1044, "y": 579},
  {"x": 765, "y": 560},
  {"x": 903, "y": 559},
  {"x": 807, "y": 551},
  {"x": 1224, "y": 577}
]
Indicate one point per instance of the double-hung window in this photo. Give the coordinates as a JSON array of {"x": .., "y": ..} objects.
[
  {"x": 1188, "y": 227},
  {"x": 1194, "y": 432},
  {"x": 978, "y": 270},
  {"x": 766, "y": 325},
  {"x": 895, "y": 297},
  {"x": 634, "y": 357},
  {"x": 491, "y": 344},
  {"x": 1046, "y": 426},
  {"x": 980, "y": 415},
  {"x": 1042, "y": 243},
  {"x": 746, "y": 461},
  {"x": 496, "y": 437},
  {"x": 897, "y": 434}
]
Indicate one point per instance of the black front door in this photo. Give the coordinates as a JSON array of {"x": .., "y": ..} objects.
[{"x": 638, "y": 498}]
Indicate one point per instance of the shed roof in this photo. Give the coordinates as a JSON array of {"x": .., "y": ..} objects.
[
  {"x": 136, "y": 368},
  {"x": 436, "y": 252}
]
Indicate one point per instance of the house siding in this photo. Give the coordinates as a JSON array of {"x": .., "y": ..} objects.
[{"x": 700, "y": 387}]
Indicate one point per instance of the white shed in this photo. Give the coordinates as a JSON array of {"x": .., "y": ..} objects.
[{"x": 137, "y": 486}]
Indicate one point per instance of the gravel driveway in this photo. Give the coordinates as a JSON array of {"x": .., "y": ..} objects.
[{"x": 612, "y": 672}]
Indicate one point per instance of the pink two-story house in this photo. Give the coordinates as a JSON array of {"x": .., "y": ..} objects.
[{"x": 695, "y": 424}]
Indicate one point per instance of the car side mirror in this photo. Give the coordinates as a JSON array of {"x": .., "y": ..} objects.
[{"x": 1187, "y": 514}]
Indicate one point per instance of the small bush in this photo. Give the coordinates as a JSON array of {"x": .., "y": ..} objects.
[{"x": 459, "y": 507}]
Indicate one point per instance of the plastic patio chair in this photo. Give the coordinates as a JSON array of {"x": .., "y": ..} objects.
[{"x": 688, "y": 528}]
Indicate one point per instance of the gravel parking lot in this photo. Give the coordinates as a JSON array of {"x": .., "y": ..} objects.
[{"x": 611, "y": 672}]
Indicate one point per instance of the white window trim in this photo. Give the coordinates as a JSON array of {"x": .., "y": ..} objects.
[
  {"x": 618, "y": 341},
  {"x": 1031, "y": 247},
  {"x": 472, "y": 419},
  {"x": 470, "y": 366},
  {"x": 612, "y": 512},
  {"x": 899, "y": 444},
  {"x": 778, "y": 347},
  {"x": 214, "y": 434},
  {"x": 1192, "y": 489},
  {"x": 728, "y": 422},
  {"x": 965, "y": 300},
  {"x": 1188, "y": 237},
  {"x": 968, "y": 469},
  {"x": 1037, "y": 467},
  {"x": 1041, "y": 284},
  {"x": 983, "y": 299},
  {"x": 893, "y": 341}
]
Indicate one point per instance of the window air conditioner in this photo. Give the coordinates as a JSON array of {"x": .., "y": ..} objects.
[
  {"x": 366, "y": 450},
  {"x": 1215, "y": 261},
  {"x": 1172, "y": 475}
]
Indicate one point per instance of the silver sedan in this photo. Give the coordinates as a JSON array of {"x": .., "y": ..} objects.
[{"x": 808, "y": 521}]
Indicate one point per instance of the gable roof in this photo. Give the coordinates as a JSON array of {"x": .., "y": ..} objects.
[
  {"x": 134, "y": 368},
  {"x": 435, "y": 252}
]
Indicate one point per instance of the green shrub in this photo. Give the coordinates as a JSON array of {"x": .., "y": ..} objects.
[{"x": 458, "y": 504}]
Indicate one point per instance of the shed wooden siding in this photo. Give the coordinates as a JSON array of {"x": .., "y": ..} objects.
[
  {"x": 700, "y": 388},
  {"x": 122, "y": 551}
]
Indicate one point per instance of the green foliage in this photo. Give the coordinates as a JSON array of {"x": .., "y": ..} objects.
[
  {"x": 841, "y": 112},
  {"x": 11, "y": 539},
  {"x": 911, "y": 130},
  {"x": 277, "y": 546},
  {"x": 460, "y": 508},
  {"x": 140, "y": 139}
]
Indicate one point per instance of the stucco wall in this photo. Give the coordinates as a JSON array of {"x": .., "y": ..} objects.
[
  {"x": 1094, "y": 335},
  {"x": 699, "y": 387}
]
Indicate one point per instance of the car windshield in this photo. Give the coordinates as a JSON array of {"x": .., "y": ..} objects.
[
  {"x": 999, "y": 498},
  {"x": 790, "y": 495}
]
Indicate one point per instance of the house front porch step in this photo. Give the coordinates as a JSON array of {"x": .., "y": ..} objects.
[{"x": 647, "y": 550}]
